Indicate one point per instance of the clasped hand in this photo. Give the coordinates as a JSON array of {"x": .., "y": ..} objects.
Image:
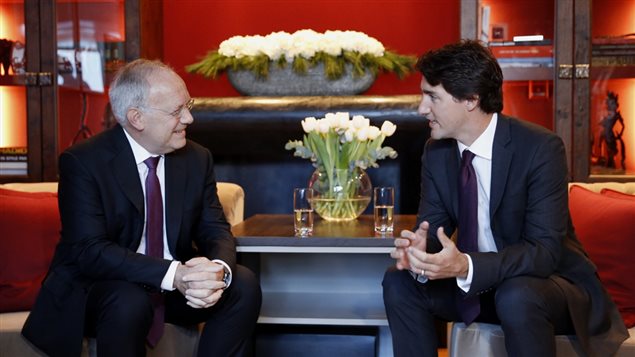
[
  {"x": 410, "y": 253},
  {"x": 200, "y": 281}
]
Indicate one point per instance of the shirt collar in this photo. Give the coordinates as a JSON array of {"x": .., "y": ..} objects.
[
  {"x": 482, "y": 146},
  {"x": 139, "y": 152}
]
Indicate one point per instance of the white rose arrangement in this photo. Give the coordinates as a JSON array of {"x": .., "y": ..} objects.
[{"x": 302, "y": 50}]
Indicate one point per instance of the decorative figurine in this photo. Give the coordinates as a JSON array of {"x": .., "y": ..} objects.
[
  {"x": 609, "y": 136},
  {"x": 6, "y": 47},
  {"x": 18, "y": 58}
]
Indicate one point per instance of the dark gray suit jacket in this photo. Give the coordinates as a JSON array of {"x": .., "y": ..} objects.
[
  {"x": 102, "y": 211},
  {"x": 530, "y": 223}
]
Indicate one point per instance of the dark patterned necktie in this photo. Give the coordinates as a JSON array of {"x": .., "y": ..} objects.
[
  {"x": 468, "y": 228},
  {"x": 154, "y": 242}
]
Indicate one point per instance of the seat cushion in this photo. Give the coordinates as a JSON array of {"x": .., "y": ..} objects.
[
  {"x": 604, "y": 226},
  {"x": 624, "y": 187},
  {"x": 487, "y": 340},
  {"x": 11, "y": 341},
  {"x": 232, "y": 198},
  {"x": 176, "y": 340},
  {"x": 617, "y": 194},
  {"x": 31, "y": 186},
  {"x": 31, "y": 229}
]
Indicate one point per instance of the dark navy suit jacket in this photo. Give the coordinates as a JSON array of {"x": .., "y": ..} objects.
[
  {"x": 101, "y": 205},
  {"x": 530, "y": 222}
]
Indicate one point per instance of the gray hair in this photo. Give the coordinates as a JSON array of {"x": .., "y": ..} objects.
[{"x": 130, "y": 86}]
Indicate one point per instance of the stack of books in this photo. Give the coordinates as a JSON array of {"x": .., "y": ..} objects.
[
  {"x": 13, "y": 161},
  {"x": 614, "y": 51},
  {"x": 523, "y": 54}
]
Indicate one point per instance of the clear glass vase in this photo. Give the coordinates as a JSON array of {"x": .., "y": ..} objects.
[{"x": 341, "y": 196}]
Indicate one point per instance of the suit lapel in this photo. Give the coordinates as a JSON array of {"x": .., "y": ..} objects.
[
  {"x": 452, "y": 168},
  {"x": 175, "y": 179},
  {"x": 125, "y": 170},
  {"x": 501, "y": 161}
]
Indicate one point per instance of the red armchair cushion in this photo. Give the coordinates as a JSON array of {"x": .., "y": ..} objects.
[
  {"x": 605, "y": 227},
  {"x": 30, "y": 231},
  {"x": 617, "y": 194}
]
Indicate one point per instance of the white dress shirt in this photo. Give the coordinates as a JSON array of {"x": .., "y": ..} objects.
[
  {"x": 140, "y": 155},
  {"x": 482, "y": 163}
]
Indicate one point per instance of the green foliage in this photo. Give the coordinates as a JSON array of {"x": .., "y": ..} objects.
[
  {"x": 214, "y": 64},
  {"x": 301, "y": 65}
]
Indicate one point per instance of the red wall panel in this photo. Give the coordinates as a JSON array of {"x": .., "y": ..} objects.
[{"x": 191, "y": 28}]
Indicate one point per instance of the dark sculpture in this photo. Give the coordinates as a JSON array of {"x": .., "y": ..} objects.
[
  {"x": 6, "y": 47},
  {"x": 609, "y": 136}
]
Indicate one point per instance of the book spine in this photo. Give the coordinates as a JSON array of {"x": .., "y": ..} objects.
[
  {"x": 13, "y": 165},
  {"x": 522, "y": 51},
  {"x": 13, "y": 158},
  {"x": 13, "y": 151},
  {"x": 527, "y": 62},
  {"x": 13, "y": 172},
  {"x": 519, "y": 43},
  {"x": 616, "y": 53},
  {"x": 613, "y": 61}
]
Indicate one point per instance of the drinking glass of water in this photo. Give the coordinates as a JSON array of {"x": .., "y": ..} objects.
[
  {"x": 384, "y": 201},
  {"x": 302, "y": 211}
]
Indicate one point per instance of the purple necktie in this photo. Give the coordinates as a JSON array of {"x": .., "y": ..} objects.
[
  {"x": 154, "y": 242},
  {"x": 467, "y": 240}
]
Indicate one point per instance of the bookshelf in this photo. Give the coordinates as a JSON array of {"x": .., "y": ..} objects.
[
  {"x": 73, "y": 48},
  {"x": 615, "y": 54},
  {"x": 524, "y": 61},
  {"x": 589, "y": 57}
]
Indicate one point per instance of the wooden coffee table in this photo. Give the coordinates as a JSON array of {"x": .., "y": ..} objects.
[{"x": 331, "y": 278}]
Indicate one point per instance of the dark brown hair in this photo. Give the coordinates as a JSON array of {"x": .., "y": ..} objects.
[{"x": 466, "y": 70}]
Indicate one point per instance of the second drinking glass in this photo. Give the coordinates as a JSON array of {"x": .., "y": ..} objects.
[
  {"x": 384, "y": 201},
  {"x": 302, "y": 211}
]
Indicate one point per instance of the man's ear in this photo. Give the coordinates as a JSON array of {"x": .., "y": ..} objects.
[
  {"x": 135, "y": 119},
  {"x": 472, "y": 103}
]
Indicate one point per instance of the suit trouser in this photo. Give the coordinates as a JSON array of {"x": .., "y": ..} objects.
[
  {"x": 531, "y": 312},
  {"x": 119, "y": 315}
]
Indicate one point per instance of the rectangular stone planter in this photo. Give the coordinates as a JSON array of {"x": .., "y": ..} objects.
[{"x": 285, "y": 82}]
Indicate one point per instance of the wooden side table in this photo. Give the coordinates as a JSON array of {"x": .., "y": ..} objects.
[{"x": 331, "y": 278}]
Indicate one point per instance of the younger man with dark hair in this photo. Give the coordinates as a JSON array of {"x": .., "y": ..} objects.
[{"x": 502, "y": 184}]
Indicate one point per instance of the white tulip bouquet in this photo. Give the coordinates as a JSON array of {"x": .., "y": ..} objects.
[
  {"x": 340, "y": 142},
  {"x": 337, "y": 145}
]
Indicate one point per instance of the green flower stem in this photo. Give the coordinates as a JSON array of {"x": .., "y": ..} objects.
[{"x": 339, "y": 202}]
